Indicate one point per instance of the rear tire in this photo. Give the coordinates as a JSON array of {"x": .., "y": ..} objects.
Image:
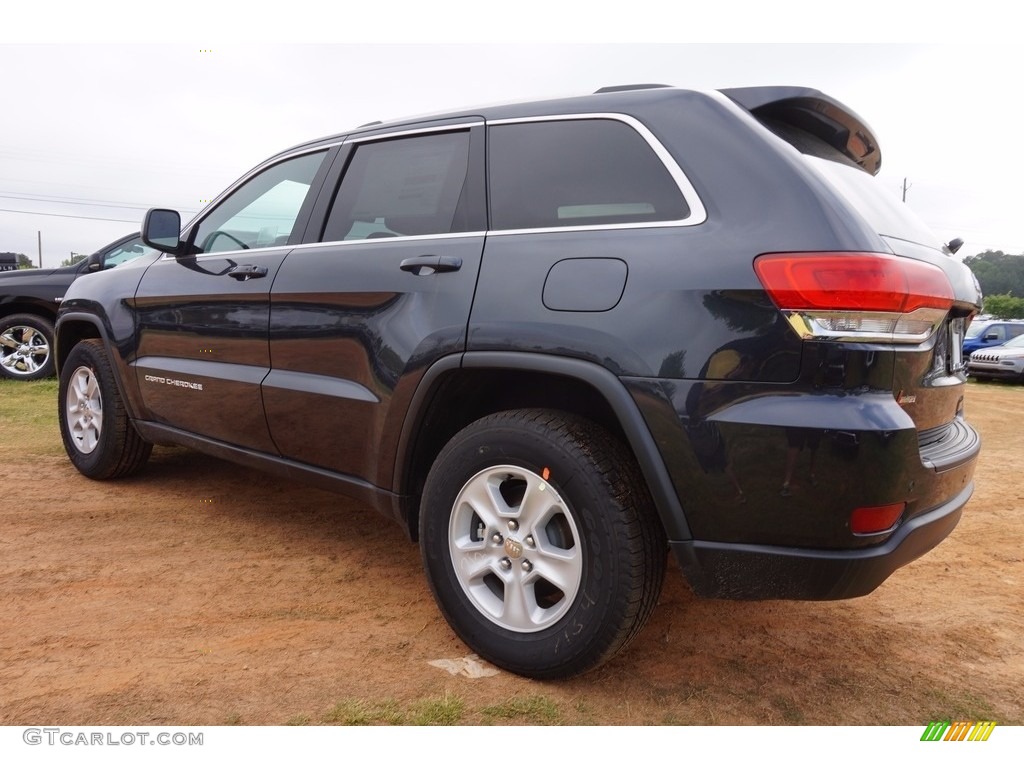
[
  {"x": 94, "y": 425},
  {"x": 540, "y": 542}
]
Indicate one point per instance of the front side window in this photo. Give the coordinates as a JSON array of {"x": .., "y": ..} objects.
[
  {"x": 125, "y": 252},
  {"x": 402, "y": 187},
  {"x": 262, "y": 212},
  {"x": 569, "y": 173}
]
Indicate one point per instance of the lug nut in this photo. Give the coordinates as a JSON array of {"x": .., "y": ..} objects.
[
  {"x": 513, "y": 525},
  {"x": 505, "y": 563},
  {"x": 527, "y": 566},
  {"x": 530, "y": 542},
  {"x": 496, "y": 538}
]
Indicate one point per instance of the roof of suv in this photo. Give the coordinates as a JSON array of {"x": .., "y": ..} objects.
[{"x": 796, "y": 107}]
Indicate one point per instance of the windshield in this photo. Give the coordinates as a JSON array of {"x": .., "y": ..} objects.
[
  {"x": 125, "y": 252},
  {"x": 975, "y": 329},
  {"x": 1017, "y": 342}
]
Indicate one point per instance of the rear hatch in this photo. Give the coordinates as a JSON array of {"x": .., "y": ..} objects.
[{"x": 928, "y": 373}]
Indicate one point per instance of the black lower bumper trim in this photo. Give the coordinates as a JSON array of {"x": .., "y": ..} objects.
[{"x": 755, "y": 572}]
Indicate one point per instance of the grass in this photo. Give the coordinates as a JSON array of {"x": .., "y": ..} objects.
[
  {"x": 359, "y": 712},
  {"x": 28, "y": 413},
  {"x": 958, "y": 705},
  {"x": 529, "y": 710},
  {"x": 447, "y": 709},
  {"x": 444, "y": 710}
]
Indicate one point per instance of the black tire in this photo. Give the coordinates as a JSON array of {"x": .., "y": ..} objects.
[
  {"x": 98, "y": 436},
  {"x": 587, "y": 521},
  {"x": 26, "y": 347}
]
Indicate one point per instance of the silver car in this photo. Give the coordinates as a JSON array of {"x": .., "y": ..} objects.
[{"x": 1005, "y": 362}]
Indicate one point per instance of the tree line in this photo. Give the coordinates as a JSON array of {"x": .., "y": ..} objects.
[
  {"x": 24, "y": 262},
  {"x": 1001, "y": 277}
]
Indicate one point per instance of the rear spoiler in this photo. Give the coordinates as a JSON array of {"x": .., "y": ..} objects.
[{"x": 814, "y": 112}]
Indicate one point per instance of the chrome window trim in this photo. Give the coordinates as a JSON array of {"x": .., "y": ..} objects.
[
  {"x": 698, "y": 213},
  {"x": 386, "y": 240},
  {"x": 312, "y": 150},
  {"x": 413, "y": 132}
]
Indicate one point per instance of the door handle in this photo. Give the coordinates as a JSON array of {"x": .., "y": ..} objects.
[
  {"x": 247, "y": 272},
  {"x": 428, "y": 265}
]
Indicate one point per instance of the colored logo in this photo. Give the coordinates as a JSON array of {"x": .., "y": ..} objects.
[{"x": 961, "y": 730}]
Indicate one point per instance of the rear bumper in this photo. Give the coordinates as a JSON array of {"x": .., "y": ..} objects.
[{"x": 757, "y": 572}]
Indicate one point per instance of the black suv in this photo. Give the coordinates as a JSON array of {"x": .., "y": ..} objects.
[
  {"x": 29, "y": 299},
  {"x": 553, "y": 340}
]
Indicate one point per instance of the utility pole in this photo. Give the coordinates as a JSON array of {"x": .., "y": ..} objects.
[
  {"x": 39, "y": 234},
  {"x": 905, "y": 188}
]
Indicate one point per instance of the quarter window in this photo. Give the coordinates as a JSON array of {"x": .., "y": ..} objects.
[
  {"x": 407, "y": 186},
  {"x": 568, "y": 173},
  {"x": 262, "y": 212}
]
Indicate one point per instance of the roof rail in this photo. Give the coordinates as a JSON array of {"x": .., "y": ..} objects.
[{"x": 633, "y": 87}]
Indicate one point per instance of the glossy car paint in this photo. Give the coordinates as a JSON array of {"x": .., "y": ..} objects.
[{"x": 333, "y": 360}]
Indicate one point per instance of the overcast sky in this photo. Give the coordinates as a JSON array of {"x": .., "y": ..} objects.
[{"x": 92, "y": 135}]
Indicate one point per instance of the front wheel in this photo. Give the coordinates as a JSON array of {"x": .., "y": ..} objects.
[
  {"x": 94, "y": 425},
  {"x": 26, "y": 342},
  {"x": 540, "y": 542}
]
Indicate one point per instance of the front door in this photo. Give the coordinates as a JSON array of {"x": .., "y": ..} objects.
[{"x": 203, "y": 319}]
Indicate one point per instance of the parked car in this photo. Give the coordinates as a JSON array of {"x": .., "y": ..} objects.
[
  {"x": 990, "y": 333},
  {"x": 554, "y": 340},
  {"x": 1003, "y": 362},
  {"x": 29, "y": 299}
]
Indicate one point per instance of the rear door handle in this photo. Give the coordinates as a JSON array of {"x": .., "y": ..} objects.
[
  {"x": 428, "y": 265},
  {"x": 247, "y": 272}
]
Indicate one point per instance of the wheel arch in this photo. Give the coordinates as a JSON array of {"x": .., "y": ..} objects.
[
  {"x": 27, "y": 307},
  {"x": 73, "y": 327},
  {"x": 460, "y": 389}
]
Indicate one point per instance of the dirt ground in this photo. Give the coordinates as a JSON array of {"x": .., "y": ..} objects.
[{"x": 201, "y": 593}]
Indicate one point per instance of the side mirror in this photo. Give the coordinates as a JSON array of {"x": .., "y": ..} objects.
[
  {"x": 991, "y": 336},
  {"x": 94, "y": 263},
  {"x": 161, "y": 229}
]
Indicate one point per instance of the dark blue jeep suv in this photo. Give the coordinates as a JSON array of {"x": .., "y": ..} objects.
[{"x": 554, "y": 341}]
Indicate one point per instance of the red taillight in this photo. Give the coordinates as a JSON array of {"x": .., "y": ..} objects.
[
  {"x": 868, "y": 520},
  {"x": 856, "y": 296},
  {"x": 873, "y": 282}
]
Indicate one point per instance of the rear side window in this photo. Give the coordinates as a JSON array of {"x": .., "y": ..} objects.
[
  {"x": 570, "y": 173},
  {"x": 402, "y": 187}
]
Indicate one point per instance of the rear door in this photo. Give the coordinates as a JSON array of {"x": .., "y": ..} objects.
[
  {"x": 203, "y": 320},
  {"x": 356, "y": 318}
]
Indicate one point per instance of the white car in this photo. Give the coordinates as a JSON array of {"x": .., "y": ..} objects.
[{"x": 1005, "y": 362}]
